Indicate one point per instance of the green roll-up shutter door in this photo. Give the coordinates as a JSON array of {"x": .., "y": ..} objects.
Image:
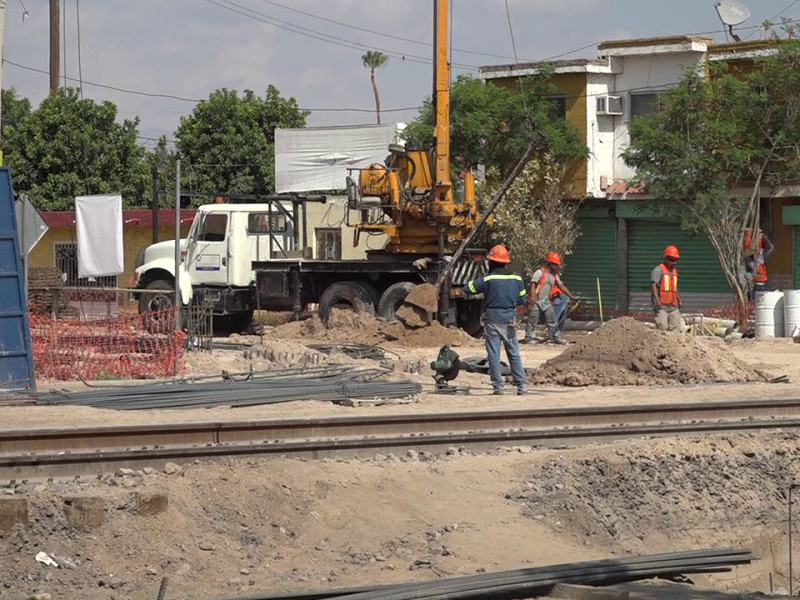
[
  {"x": 797, "y": 257},
  {"x": 700, "y": 278},
  {"x": 593, "y": 255}
]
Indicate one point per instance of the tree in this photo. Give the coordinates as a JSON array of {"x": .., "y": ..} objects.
[
  {"x": 491, "y": 125},
  {"x": 716, "y": 141},
  {"x": 373, "y": 59},
  {"x": 227, "y": 144},
  {"x": 70, "y": 146},
  {"x": 534, "y": 218},
  {"x": 15, "y": 109}
]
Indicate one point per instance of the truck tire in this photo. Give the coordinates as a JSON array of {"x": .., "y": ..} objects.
[
  {"x": 393, "y": 298},
  {"x": 235, "y": 323},
  {"x": 152, "y": 307},
  {"x": 352, "y": 295}
]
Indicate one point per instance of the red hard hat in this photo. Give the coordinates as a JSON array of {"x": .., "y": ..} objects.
[
  {"x": 672, "y": 252},
  {"x": 555, "y": 258},
  {"x": 499, "y": 254}
]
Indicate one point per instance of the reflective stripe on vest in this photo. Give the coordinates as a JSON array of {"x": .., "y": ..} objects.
[{"x": 668, "y": 293}]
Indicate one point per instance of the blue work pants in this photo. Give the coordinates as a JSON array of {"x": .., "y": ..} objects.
[{"x": 494, "y": 335}]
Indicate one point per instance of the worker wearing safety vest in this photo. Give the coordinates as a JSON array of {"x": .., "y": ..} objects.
[
  {"x": 545, "y": 285},
  {"x": 664, "y": 290},
  {"x": 756, "y": 261},
  {"x": 503, "y": 292}
]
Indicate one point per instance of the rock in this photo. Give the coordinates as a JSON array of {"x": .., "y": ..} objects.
[
  {"x": 151, "y": 571},
  {"x": 244, "y": 572},
  {"x": 425, "y": 297},
  {"x": 206, "y": 546},
  {"x": 452, "y": 451},
  {"x": 124, "y": 472},
  {"x": 40, "y": 596},
  {"x": 172, "y": 469},
  {"x": 148, "y": 470},
  {"x": 412, "y": 454},
  {"x": 412, "y": 316}
]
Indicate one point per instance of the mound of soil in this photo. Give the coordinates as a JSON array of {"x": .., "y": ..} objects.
[
  {"x": 627, "y": 352},
  {"x": 348, "y": 327}
]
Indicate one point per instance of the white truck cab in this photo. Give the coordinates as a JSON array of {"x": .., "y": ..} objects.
[{"x": 217, "y": 257}]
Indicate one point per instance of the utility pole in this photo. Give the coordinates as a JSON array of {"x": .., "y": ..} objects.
[{"x": 55, "y": 44}]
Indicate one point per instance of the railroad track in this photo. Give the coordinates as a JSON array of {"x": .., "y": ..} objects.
[{"x": 37, "y": 454}]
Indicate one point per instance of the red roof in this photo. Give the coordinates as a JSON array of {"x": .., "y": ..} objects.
[{"x": 131, "y": 218}]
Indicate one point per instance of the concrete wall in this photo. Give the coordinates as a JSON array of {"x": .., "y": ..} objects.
[
  {"x": 600, "y": 135},
  {"x": 334, "y": 215},
  {"x": 645, "y": 74},
  {"x": 135, "y": 238}
]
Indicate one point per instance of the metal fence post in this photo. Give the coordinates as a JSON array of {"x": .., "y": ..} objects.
[
  {"x": 791, "y": 554},
  {"x": 178, "y": 245}
]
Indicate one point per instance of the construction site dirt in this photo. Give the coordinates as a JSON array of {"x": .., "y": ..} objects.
[{"x": 237, "y": 527}]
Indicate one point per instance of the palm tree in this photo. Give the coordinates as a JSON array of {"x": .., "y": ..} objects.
[{"x": 374, "y": 60}]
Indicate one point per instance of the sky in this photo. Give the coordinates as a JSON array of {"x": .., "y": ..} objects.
[{"x": 311, "y": 49}]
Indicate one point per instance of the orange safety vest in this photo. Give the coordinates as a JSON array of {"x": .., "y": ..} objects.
[
  {"x": 668, "y": 292},
  {"x": 760, "y": 275},
  {"x": 554, "y": 291}
]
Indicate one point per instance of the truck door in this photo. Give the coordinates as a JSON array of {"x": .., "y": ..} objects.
[{"x": 208, "y": 255}]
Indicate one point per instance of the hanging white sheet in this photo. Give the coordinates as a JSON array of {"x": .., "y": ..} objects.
[{"x": 98, "y": 220}]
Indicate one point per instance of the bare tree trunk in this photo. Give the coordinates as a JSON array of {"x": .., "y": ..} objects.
[{"x": 377, "y": 98}]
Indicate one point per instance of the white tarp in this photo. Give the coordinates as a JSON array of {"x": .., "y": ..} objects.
[
  {"x": 316, "y": 159},
  {"x": 98, "y": 220}
]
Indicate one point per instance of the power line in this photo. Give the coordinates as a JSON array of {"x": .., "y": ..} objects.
[
  {"x": 379, "y": 33},
  {"x": 773, "y": 18},
  {"x": 195, "y": 100},
  {"x": 324, "y": 37}
]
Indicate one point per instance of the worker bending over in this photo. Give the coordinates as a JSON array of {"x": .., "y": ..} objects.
[
  {"x": 503, "y": 292},
  {"x": 664, "y": 290},
  {"x": 545, "y": 285}
]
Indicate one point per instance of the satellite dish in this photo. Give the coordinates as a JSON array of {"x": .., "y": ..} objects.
[{"x": 732, "y": 13}]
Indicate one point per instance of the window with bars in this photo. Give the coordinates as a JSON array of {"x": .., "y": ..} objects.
[
  {"x": 65, "y": 257},
  {"x": 329, "y": 244}
]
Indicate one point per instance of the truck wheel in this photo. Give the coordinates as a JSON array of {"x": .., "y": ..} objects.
[
  {"x": 346, "y": 295},
  {"x": 154, "y": 307},
  {"x": 393, "y": 298}
]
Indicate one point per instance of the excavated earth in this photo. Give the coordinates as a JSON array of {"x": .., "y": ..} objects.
[
  {"x": 628, "y": 352},
  {"x": 239, "y": 528}
]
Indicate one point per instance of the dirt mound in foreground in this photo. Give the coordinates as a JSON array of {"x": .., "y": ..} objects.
[
  {"x": 349, "y": 327},
  {"x": 627, "y": 352}
]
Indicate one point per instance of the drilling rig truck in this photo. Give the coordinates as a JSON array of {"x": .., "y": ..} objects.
[{"x": 410, "y": 198}]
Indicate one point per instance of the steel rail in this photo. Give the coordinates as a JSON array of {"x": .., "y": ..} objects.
[
  {"x": 90, "y": 463},
  {"x": 237, "y": 432}
]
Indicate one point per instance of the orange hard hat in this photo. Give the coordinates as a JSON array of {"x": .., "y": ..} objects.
[
  {"x": 499, "y": 254},
  {"x": 672, "y": 252},
  {"x": 554, "y": 258}
]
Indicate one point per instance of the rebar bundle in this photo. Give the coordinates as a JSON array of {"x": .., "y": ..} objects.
[{"x": 328, "y": 384}]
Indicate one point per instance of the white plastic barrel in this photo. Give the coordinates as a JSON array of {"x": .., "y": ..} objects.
[
  {"x": 791, "y": 313},
  {"x": 769, "y": 315}
]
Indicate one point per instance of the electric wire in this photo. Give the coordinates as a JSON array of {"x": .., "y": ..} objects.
[
  {"x": 752, "y": 33},
  {"x": 318, "y": 35}
]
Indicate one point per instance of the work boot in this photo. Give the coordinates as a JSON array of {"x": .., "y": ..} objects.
[
  {"x": 497, "y": 393},
  {"x": 560, "y": 342},
  {"x": 522, "y": 391},
  {"x": 526, "y": 341}
]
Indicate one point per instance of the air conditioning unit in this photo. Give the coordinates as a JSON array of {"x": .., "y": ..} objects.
[{"x": 610, "y": 105}]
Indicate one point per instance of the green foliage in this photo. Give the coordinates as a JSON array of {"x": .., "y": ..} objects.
[
  {"x": 70, "y": 146},
  {"x": 714, "y": 140},
  {"x": 490, "y": 126},
  {"x": 533, "y": 217},
  {"x": 227, "y": 143},
  {"x": 15, "y": 110},
  {"x": 372, "y": 59}
]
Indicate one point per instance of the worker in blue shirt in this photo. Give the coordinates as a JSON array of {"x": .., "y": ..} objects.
[{"x": 503, "y": 292}]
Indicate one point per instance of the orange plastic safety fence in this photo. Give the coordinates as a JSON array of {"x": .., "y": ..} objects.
[{"x": 126, "y": 347}]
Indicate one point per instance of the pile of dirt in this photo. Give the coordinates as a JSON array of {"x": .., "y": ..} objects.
[
  {"x": 627, "y": 352},
  {"x": 349, "y": 327}
]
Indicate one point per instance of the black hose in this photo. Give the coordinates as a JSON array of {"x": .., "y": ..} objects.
[{"x": 162, "y": 590}]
